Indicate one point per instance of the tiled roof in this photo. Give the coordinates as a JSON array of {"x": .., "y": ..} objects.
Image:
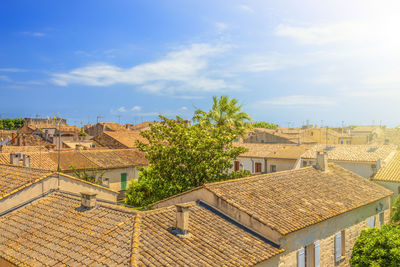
[
  {"x": 360, "y": 153},
  {"x": 291, "y": 200},
  {"x": 56, "y": 230},
  {"x": 13, "y": 178},
  {"x": 365, "y": 128},
  {"x": 113, "y": 126},
  {"x": 390, "y": 172},
  {"x": 258, "y": 150},
  {"x": 63, "y": 128},
  {"x": 89, "y": 159},
  {"x": 12, "y": 149},
  {"x": 213, "y": 241},
  {"x": 127, "y": 138},
  {"x": 289, "y": 152}
]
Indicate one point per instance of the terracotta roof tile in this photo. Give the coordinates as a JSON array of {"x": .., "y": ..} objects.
[
  {"x": 12, "y": 178},
  {"x": 55, "y": 230},
  {"x": 390, "y": 172},
  {"x": 258, "y": 150},
  {"x": 364, "y": 153},
  {"x": 289, "y": 152},
  {"x": 290, "y": 200}
]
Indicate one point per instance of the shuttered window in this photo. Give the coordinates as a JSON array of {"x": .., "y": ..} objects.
[
  {"x": 258, "y": 166},
  {"x": 338, "y": 246},
  {"x": 316, "y": 254},
  {"x": 381, "y": 219},
  {"x": 237, "y": 166},
  {"x": 301, "y": 257},
  {"x": 370, "y": 222}
]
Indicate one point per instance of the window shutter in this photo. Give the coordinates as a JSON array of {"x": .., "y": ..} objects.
[
  {"x": 316, "y": 253},
  {"x": 301, "y": 258},
  {"x": 371, "y": 222},
  {"x": 338, "y": 246}
]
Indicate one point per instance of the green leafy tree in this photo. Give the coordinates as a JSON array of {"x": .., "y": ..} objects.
[
  {"x": 224, "y": 112},
  {"x": 11, "y": 124},
  {"x": 182, "y": 157},
  {"x": 93, "y": 176},
  {"x": 396, "y": 211},
  {"x": 377, "y": 247},
  {"x": 263, "y": 124}
]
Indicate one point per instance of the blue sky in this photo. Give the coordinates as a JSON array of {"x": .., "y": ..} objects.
[{"x": 286, "y": 61}]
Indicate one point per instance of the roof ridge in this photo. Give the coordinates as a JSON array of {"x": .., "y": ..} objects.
[
  {"x": 135, "y": 240},
  {"x": 256, "y": 176}
]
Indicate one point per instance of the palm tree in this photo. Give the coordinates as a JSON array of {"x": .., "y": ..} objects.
[{"x": 224, "y": 111}]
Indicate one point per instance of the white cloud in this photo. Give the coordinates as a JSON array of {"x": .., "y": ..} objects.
[
  {"x": 34, "y": 34},
  {"x": 4, "y": 78},
  {"x": 246, "y": 8},
  {"x": 298, "y": 100},
  {"x": 182, "y": 70},
  {"x": 122, "y": 109},
  {"x": 11, "y": 70},
  {"x": 184, "y": 108},
  {"x": 324, "y": 34},
  {"x": 136, "y": 108},
  {"x": 221, "y": 26}
]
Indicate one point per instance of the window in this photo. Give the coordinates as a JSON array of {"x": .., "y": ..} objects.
[
  {"x": 273, "y": 168},
  {"x": 398, "y": 189},
  {"x": 258, "y": 167},
  {"x": 123, "y": 181},
  {"x": 341, "y": 142},
  {"x": 348, "y": 142},
  {"x": 339, "y": 246},
  {"x": 237, "y": 166},
  {"x": 308, "y": 256},
  {"x": 305, "y": 165},
  {"x": 381, "y": 219},
  {"x": 370, "y": 222},
  {"x": 301, "y": 257}
]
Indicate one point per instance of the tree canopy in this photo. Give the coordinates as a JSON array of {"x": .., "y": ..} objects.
[
  {"x": 224, "y": 111},
  {"x": 263, "y": 124},
  {"x": 11, "y": 124},
  {"x": 377, "y": 247},
  {"x": 182, "y": 157}
]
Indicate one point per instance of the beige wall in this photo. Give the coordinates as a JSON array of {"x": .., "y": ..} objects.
[
  {"x": 249, "y": 164},
  {"x": 281, "y": 164},
  {"x": 393, "y": 186},
  {"x": 364, "y": 169},
  {"x": 352, "y": 223}
]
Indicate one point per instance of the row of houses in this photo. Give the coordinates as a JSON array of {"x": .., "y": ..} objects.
[{"x": 309, "y": 216}]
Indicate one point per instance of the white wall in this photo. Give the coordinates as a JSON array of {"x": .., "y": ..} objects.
[
  {"x": 363, "y": 169},
  {"x": 249, "y": 164}
]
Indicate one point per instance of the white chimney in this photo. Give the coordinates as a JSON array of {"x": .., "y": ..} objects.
[
  {"x": 15, "y": 158},
  {"x": 88, "y": 200},
  {"x": 322, "y": 161},
  {"x": 182, "y": 218}
]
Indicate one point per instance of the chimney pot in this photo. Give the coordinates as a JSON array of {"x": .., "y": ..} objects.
[
  {"x": 182, "y": 218},
  {"x": 88, "y": 200},
  {"x": 322, "y": 161}
]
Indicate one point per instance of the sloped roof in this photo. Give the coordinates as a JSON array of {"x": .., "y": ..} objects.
[
  {"x": 258, "y": 150},
  {"x": 291, "y": 200},
  {"x": 360, "y": 153},
  {"x": 89, "y": 159},
  {"x": 56, "y": 230},
  {"x": 289, "y": 152},
  {"x": 113, "y": 126},
  {"x": 213, "y": 241},
  {"x": 13, "y": 149},
  {"x": 12, "y": 178},
  {"x": 390, "y": 172},
  {"x": 126, "y": 138}
]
